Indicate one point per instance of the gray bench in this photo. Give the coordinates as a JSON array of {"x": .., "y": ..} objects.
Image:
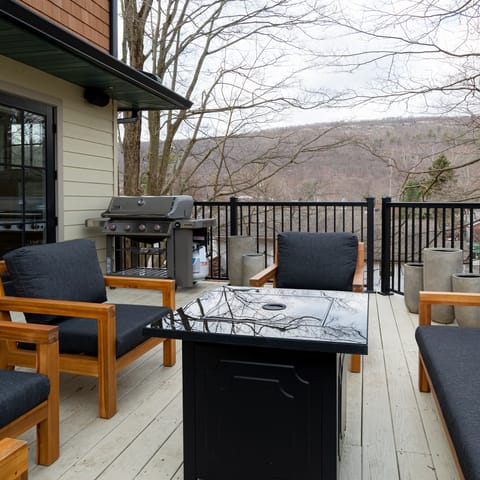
[{"x": 449, "y": 367}]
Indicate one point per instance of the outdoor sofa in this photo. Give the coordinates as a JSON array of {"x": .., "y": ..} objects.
[{"x": 449, "y": 368}]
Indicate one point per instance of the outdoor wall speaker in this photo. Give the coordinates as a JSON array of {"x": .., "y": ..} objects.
[{"x": 95, "y": 96}]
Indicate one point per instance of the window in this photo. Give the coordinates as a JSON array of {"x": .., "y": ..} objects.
[{"x": 27, "y": 173}]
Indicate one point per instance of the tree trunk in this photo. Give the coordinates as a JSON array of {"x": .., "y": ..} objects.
[
  {"x": 134, "y": 33},
  {"x": 155, "y": 183},
  {"x": 132, "y": 160}
]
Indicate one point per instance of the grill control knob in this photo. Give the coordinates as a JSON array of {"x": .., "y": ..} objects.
[
  {"x": 112, "y": 227},
  {"x": 142, "y": 227},
  {"x": 127, "y": 227},
  {"x": 157, "y": 227}
]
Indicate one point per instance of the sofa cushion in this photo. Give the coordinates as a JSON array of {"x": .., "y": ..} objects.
[
  {"x": 62, "y": 271},
  {"x": 20, "y": 392},
  {"x": 80, "y": 335},
  {"x": 321, "y": 261},
  {"x": 451, "y": 356}
]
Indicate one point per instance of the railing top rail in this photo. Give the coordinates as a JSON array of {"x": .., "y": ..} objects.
[
  {"x": 280, "y": 203},
  {"x": 436, "y": 204}
]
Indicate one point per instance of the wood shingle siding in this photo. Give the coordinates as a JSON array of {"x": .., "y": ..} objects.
[{"x": 89, "y": 19}]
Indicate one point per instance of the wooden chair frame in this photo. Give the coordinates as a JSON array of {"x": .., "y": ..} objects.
[
  {"x": 13, "y": 459},
  {"x": 270, "y": 274},
  {"x": 46, "y": 361},
  {"x": 106, "y": 365},
  {"x": 426, "y": 300}
]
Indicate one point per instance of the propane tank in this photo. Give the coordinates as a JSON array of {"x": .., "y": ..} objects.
[{"x": 199, "y": 262}]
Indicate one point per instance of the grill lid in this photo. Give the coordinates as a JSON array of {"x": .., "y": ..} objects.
[{"x": 169, "y": 207}]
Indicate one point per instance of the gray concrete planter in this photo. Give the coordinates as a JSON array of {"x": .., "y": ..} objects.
[
  {"x": 467, "y": 283},
  {"x": 252, "y": 263},
  {"x": 237, "y": 247},
  {"x": 439, "y": 266},
  {"x": 413, "y": 283}
]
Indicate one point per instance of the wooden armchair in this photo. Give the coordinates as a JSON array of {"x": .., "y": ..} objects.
[
  {"x": 30, "y": 399},
  {"x": 62, "y": 284},
  {"x": 320, "y": 261},
  {"x": 426, "y": 300},
  {"x": 13, "y": 459},
  {"x": 448, "y": 367}
]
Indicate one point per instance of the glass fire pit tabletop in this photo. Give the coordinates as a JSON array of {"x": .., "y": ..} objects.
[{"x": 287, "y": 315}]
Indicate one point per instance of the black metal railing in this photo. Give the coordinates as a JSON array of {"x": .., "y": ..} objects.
[
  {"x": 394, "y": 234},
  {"x": 264, "y": 220},
  {"x": 408, "y": 228}
]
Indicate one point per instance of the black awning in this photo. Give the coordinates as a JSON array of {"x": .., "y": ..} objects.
[{"x": 35, "y": 41}]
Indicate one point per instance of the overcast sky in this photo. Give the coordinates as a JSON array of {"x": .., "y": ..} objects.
[
  {"x": 316, "y": 78},
  {"x": 456, "y": 34}
]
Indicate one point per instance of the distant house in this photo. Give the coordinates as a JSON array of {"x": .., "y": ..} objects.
[{"x": 61, "y": 88}]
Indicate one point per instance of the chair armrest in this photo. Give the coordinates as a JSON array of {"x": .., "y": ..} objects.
[
  {"x": 166, "y": 286},
  {"x": 357, "y": 285},
  {"x": 264, "y": 276},
  {"x": 28, "y": 332},
  {"x": 56, "y": 307},
  {"x": 13, "y": 458},
  {"x": 427, "y": 299},
  {"x": 139, "y": 282},
  {"x": 46, "y": 339},
  {"x": 358, "y": 281},
  {"x": 451, "y": 298}
]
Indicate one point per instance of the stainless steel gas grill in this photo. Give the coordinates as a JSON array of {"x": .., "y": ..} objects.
[{"x": 152, "y": 236}]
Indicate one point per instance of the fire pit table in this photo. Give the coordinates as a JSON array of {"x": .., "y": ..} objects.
[{"x": 263, "y": 380}]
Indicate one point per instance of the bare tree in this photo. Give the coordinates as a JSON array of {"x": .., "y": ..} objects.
[
  {"x": 426, "y": 54},
  {"x": 133, "y": 52},
  {"x": 238, "y": 61},
  {"x": 411, "y": 57},
  {"x": 246, "y": 164}
]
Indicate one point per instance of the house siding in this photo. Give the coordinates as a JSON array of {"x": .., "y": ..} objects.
[
  {"x": 85, "y": 146},
  {"x": 90, "y": 19}
]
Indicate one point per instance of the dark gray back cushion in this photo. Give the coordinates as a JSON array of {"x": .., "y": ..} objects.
[
  {"x": 61, "y": 271},
  {"x": 320, "y": 261}
]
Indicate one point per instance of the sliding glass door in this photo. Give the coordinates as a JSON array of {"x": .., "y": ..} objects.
[{"x": 27, "y": 173}]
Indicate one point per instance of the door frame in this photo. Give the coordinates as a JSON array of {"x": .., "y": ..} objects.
[{"x": 49, "y": 112}]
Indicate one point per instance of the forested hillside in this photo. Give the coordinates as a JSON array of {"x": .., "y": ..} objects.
[{"x": 349, "y": 162}]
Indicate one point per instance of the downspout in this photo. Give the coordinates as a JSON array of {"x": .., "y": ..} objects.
[{"x": 114, "y": 28}]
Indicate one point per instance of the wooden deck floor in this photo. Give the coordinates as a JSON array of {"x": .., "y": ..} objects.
[{"x": 393, "y": 431}]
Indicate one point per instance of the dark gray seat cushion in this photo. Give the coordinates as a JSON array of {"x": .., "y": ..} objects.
[
  {"x": 321, "y": 261},
  {"x": 60, "y": 271},
  {"x": 20, "y": 392},
  {"x": 80, "y": 335},
  {"x": 452, "y": 357}
]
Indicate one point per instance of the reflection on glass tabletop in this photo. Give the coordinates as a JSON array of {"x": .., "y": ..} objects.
[{"x": 273, "y": 313}]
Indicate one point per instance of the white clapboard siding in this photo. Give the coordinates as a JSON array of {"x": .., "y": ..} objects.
[{"x": 85, "y": 146}]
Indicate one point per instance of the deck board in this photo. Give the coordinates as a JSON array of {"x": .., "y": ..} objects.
[{"x": 393, "y": 430}]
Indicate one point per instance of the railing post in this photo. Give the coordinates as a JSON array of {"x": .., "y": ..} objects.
[
  {"x": 386, "y": 246},
  {"x": 233, "y": 216},
  {"x": 370, "y": 242}
]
